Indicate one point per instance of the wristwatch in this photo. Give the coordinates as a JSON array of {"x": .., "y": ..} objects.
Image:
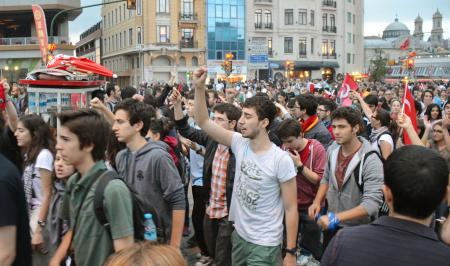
[
  {"x": 42, "y": 223},
  {"x": 300, "y": 169},
  {"x": 292, "y": 251}
]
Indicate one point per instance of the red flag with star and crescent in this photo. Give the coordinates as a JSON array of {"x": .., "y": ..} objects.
[
  {"x": 409, "y": 109},
  {"x": 347, "y": 85},
  {"x": 405, "y": 44}
]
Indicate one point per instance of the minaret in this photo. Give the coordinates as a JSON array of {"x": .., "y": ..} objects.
[
  {"x": 437, "y": 31},
  {"x": 418, "y": 33}
]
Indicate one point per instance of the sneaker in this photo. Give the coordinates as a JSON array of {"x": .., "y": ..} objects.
[
  {"x": 204, "y": 261},
  {"x": 303, "y": 260}
]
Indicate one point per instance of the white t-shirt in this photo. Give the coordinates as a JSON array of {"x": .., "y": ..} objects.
[
  {"x": 384, "y": 137},
  {"x": 43, "y": 161},
  {"x": 256, "y": 206}
]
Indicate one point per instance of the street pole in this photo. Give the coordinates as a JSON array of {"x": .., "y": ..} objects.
[{"x": 77, "y": 8}]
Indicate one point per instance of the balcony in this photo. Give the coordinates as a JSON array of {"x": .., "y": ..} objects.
[
  {"x": 185, "y": 19},
  {"x": 32, "y": 40},
  {"x": 263, "y": 2},
  {"x": 302, "y": 55},
  {"x": 260, "y": 25},
  {"x": 327, "y": 3},
  {"x": 188, "y": 44},
  {"x": 329, "y": 29},
  {"x": 329, "y": 56}
]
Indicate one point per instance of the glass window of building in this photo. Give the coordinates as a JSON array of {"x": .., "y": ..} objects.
[
  {"x": 354, "y": 18},
  {"x": 353, "y": 58},
  {"x": 130, "y": 36},
  {"x": 288, "y": 17},
  {"x": 268, "y": 18},
  {"x": 324, "y": 47},
  {"x": 288, "y": 45},
  {"x": 139, "y": 7},
  {"x": 349, "y": 58},
  {"x": 324, "y": 20},
  {"x": 258, "y": 18},
  {"x": 163, "y": 6},
  {"x": 120, "y": 40},
  {"x": 302, "y": 16},
  {"x": 120, "y": 13},
  {"x": 312, "y": 46},
  {"x": 311, "y": 18},
  {"x": 139, "y": 35},
  {"x": 332, "y": 20},
  {"x": 269, "y": 45},
  {"x": 349, "y": 37},
  {"x": 349, "y": 17},
  {"x": 332, "y": 50},
  {"x": 302, "y": 47},
  {"x": 163, "y": 34},
  {"x": 353, "y": 37},
  {"x": 226, "y": 28},
  {"x": 187, "y": 7}
]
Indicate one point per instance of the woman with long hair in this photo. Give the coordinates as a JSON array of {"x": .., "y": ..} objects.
[
  {"x": 384, "y": 133},
  {"x": 35, "y": 140},
  {"x": 437, "y": 142},
  {"x": 396, "y": 108},
  {"x": 433, "y": 112}
]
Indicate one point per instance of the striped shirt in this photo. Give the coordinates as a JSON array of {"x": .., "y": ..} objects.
[{"x": 217, "y": 201}]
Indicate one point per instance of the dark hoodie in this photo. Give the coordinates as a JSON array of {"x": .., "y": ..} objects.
[{"x": 152, "y": 174}]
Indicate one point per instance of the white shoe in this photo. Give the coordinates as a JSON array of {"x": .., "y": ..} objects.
[
  {"x": 204, "y": 261},
  {"x": 302, "y": 260}
]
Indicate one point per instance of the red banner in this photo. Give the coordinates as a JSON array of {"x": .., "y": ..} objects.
[
  {"x": 409, "y": 109},
  {"x": 343, "y": 93},
  {"x": 41, "y": 31}
]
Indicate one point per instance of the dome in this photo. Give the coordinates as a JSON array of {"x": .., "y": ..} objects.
[
  {"x": 396, "y": 26},
  {"x": 395, "y": 29},
  {"x": 437, "y": 14}
]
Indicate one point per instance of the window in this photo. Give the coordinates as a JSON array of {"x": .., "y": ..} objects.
[
  {"x": 349, "y": 37},
  {"x": 187, "y": 7},
  {"x": 258, "y": 18},
  {"x": 139, "y": 7},
  {"x": 302, "y": 47},
  {"x": 219, "y": 55},
  {"x": 353, "y": 38},
  {"x": 130, "y": 36},
  {"x": 332, "y": 21},
  {"x": 324, "y": 20},
  {"x": 109, "y": 44},
  {"x": 163, "y": 34},
  {"x": 120, "y": 40},
  {"x": 124, "y": 9},
  {"x": 302, "y": 17},
  {"x": 104, "y": 21},
  {"x": 349, "y": 17},
  {"x": 268, "y": 18},
  {"x": 139, "y": 35},
  {"x": 124, "y": 38},
  {"x": 115, "y": 15},
  {"x": 269, "y": 45},
  {"x": 354, "y": 18},
  {"x": 109, "y": 20},
  {"x": 233, "y": 11},
  {"x": 187, "y": 34},
  {"x": 311, "y": 18},
  {"x": 219, "y": 13},
  {"x": 324, "y": 47},
  {"x": 349, "y": 58},
  {"x": 312, "y": 46},
  {"x": 104, "y": 45},
  {"x": 288, "y": 45},
  {"x": 288, "y": 17},
  {"x": 163, "y": 6},
  {"x": 120, "y": 13},
  {"x": 332, "y": 50},
  {"x": 353, "y": 58}
]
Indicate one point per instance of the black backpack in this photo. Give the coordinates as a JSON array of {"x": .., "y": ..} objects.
[
  {"x": 378, "y": 142},
  {"x": 138, "y": 209},
  {"x": 384, "y": 209}
]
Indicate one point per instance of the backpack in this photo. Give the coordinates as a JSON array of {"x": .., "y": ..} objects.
[
  {"x": 384, "y": 209},
  {"x": 138, "y": 209},
  {"x": 378, "y": 141}
]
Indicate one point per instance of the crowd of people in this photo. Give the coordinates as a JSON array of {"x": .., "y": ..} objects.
[{"x": 276, "y": 173}]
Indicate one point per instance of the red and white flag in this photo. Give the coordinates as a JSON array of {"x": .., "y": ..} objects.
[
  {"x": 409, "y": 109},
  {"x": 41, "y": 31},
  {"x": 347, "y": 85},
  {"x": 405, "y": 44}
]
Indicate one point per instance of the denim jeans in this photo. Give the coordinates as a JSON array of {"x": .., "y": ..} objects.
[{"x": 309, "y": 235}]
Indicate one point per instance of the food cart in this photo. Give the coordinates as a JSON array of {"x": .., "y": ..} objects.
[{"x": 47, "y": 98}]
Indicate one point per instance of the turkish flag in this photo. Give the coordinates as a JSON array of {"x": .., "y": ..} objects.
[
  {"x": 347, "y": 85},
  {"x": 409, "y": 109},
  {"x": 405, "y": 44}
]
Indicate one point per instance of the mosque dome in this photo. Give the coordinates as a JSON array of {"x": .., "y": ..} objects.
[{"x": 395, "y": 29}]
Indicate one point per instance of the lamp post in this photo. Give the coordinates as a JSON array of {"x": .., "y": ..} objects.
[{"x": 228, "y": 66}]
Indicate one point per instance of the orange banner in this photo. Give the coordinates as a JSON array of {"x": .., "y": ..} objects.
[{"x": 41, "y": 31}]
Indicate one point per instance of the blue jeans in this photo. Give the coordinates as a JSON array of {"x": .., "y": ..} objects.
[{"x": 309, "y": 236}]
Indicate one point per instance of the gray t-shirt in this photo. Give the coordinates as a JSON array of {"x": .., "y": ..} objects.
[{"x": 256, "y": 206}]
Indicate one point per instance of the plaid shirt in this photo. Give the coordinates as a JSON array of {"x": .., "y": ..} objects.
[{"x": 217, "y": 201}]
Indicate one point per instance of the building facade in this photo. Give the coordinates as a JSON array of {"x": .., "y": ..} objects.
[
  {"x": 19, "y": 49},
  {"x": 311, "y": 39},
  {"x": 90, "y": 44},
  {"x": 432, "y": 59},
  {"x": 159, "y": 38},
  {"x": 226, "y": 31}
]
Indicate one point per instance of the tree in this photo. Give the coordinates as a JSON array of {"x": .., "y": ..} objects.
[{"x": 378, "y": 69}]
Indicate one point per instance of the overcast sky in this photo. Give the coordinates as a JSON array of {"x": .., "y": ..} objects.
[{"x": 378, "y": 14}]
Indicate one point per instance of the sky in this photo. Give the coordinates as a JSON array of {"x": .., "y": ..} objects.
[{"x": 378, "y": 14}]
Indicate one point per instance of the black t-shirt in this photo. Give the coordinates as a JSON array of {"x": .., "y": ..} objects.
[
  {"x": 13, "y": 210},
  {"x": 9, "y": 148}
]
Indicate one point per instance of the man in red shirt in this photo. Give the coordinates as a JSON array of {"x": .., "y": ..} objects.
[{"x": 309, "y": 158}]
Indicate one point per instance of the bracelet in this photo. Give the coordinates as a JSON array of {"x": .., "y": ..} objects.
[
  {"x": 334, "y": 221},
  {"x": 300, "y": 169}
]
